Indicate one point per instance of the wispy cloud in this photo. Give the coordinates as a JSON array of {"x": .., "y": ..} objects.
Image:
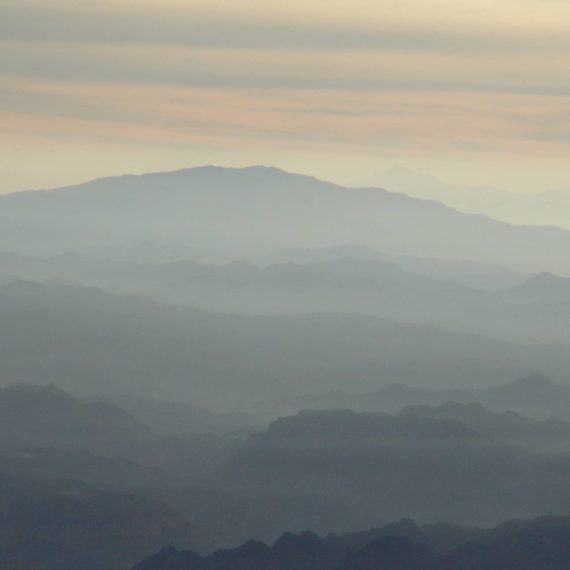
[
  {"x": 429, "y": 77},
  {"x": 274, "y": 69},
  {"x": 107, "y": 24}
]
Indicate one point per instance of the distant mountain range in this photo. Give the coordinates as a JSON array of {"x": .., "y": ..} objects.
[
  {"x": 175, "y": 417},
  {"x": 539, "y": 544},
  {"x": 469, "y": 273},
  {"x": 467, "y": 298},
  {"x": 326, "y": 470},
  {"x": 67, "y": 525},
  {"x": 543, "y": 287},
  {"x": 539, "y": 208},
  {"x": 90, "y": 341},
  {"x": 49, "y": 416},
  {"x": 213, "y": 355},
  {"x": 543, "y": 436},
  {"x": 533, "y": 395},
  {"x": 209, "y": 205},
  {"x": 98, "y": 432},
  {"x": 421, "y": 463}
]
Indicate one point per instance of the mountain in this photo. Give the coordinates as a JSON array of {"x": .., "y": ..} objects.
[
  {"x": 181, "y": 417},
  {"x": 66, "y": 525},
  {"x": 545, "y": 287},
  {"x": 256, "y": 205},
  {"x": 338, "y": 465},
  {"x": 426, "y": 466},
  {"x": 46, "y": 415},
  {"x": 474, "y": 199},
  {"x": 533, "y": 395},
  {"x": 304, "y": 552},
  {"x": 540, "y": 208},
  {"x": 551, "y": 435},
  {"x": 50, "y": 436},
  {"x": 92, "y": 342},
  {"x": 379, "y": 287},
  {"x": 518, "y": 545},
  {"x": 467, "y": 273},
  {"x": 87, "y": 262},
  {"x": 46, "y": 430}
]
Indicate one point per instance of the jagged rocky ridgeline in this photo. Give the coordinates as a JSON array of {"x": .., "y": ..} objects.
[{"x": 541, "y": 544}]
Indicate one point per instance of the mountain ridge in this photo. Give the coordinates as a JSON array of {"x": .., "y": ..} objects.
[
  {"x": 270, "y": 355},
  {"x": 268, "y": 205},
  {"x": 530, "y": 544}
]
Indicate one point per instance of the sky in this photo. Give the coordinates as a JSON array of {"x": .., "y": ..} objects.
[{"x": 470, "y": 91}]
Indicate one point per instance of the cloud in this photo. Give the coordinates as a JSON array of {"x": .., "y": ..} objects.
[
  {"x": 437, "y": 78},
  {"x": 313, "y": 118},
  {"x": 101, "y": 23},
  {"x": 269, "y": 70}
]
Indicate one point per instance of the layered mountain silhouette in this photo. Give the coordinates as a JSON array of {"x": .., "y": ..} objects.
[
  {"x": 266, "y": 205},
  {"x": 340, "y": 285},
  {"x": 534, "y": 395},
  {"x": 529, "y": 545},
  {"x": 551, "y": 435},
  {"x": 544, "y": 286},
  {"x": 548, "y": 208},
  {"x": 181, "y": 417},
  {"x": 323, "y": 470},
  {"x": 66, "y": 525},
  {"x": 422, "y": 463},
  {"x": 212, "y": 357},
  {"x": 46, "y": 430},
  {"x": 534, "y": 310},
  {"x": 94, "y": 342},
  {"x": 46, "y": 415}
]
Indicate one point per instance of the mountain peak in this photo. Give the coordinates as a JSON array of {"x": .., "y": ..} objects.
[
  {"x": 546, "y": 284},
  {"x": 547, "y": 277},
  {"x": 48, "y": 392},
  {"x": 256, "y": 172},
  {"x": 534, "y": 381}
]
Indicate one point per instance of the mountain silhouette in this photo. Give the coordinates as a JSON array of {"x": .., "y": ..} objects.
[
  {"x": 530, "y": 545},
  {"x": 119, "y": 343},
  {"x": 66, "y": 525},
  {"x": 544, "y": 286},
  {"x": 534, "y": 395},
  {"x": 266, "y": 205}
]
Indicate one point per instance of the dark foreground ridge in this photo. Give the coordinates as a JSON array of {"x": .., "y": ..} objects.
[{"x": 540, "y": 544}]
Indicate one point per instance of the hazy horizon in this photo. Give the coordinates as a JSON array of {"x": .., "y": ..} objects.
[
  {"x": 367, "y": 179},
  {"x": 545, "y": 208},
  {"x": 458, "y": 90},
  {"x": 284, "y": 286}
]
